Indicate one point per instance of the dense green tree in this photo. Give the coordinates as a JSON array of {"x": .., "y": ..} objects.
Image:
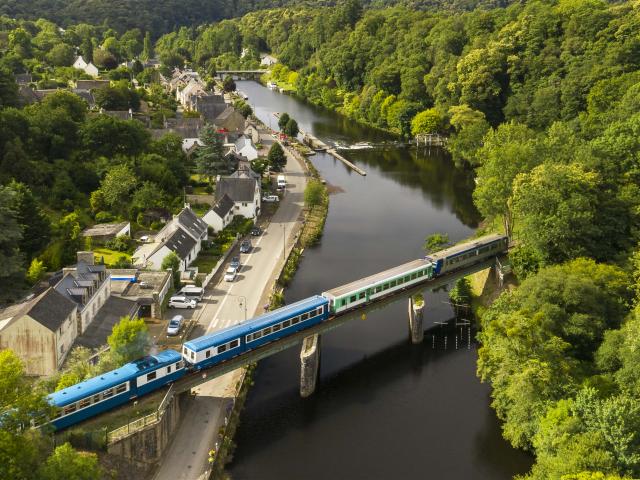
[
  {"x": 65, "y": 463},
  {"x": 210, "y": 158},
  {"x": 11, "y": 259},
  {"x": 291, "y": 128},
  {"x": 282, "y": 121},
  {"x": 313, "y": 193},
  {"x": 61, "y": 55},
  {"x": 172, "y": 261},
  {"x": 129, "y": 340},
  {"x": 116, "y": 187},
  {"x": 427, "y": 121},
  {"x": 35, "y": 226},
  {"x": 276, "y": 157},
  {"x": 228, "y": 85}
]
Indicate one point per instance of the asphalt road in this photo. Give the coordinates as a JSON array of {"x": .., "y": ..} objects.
[{"x": 226, "y": 304}]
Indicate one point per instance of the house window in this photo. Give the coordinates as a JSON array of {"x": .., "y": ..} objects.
[{"x": 244, "y": 204}]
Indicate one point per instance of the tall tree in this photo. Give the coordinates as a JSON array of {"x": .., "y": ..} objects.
[
  {"x": 147, "y": 49},
  {"x": 211, "y": 159},
  {"x": 36, "y": 229},
  {"x": 276, "y": 157},
  {"x": 282, "y": 121},
  {"x": 11, "y": 258}
]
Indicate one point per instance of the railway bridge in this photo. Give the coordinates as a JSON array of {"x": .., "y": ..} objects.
[
  {"x": 241, "y": 74},
  {"x": 310, "y": 353}
]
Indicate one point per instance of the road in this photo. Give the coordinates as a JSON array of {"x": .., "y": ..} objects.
[{"x": 227, "y": 304}]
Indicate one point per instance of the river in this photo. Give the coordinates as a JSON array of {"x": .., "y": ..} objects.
[{"x": 384, "y": 409}]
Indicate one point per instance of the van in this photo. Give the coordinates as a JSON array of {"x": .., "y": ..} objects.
[
  {"x": 193, "y": 292},
  {"x": 281, "y": 182}
]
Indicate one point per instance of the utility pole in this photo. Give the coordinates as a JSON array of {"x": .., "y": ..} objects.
[{"x": 284, "y": 244}]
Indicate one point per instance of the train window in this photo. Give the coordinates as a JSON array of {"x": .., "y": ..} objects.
[
  {"x": 70, "y": 409},
  {"x": 85, "y": 402},
  {"x": 400, "y": 281},
  {"x": 362, "y": 295},
  {"x": 192, "y": 354},
  {"x": 413, "y": 276},
  {"x": 276, "y": 327},
  {"x": 222, "y": 348},
  {"x": 407, "y": 278},
  {"x": 234, "y": 343},
  {"x": 123, "y": 387},
  {"x": 385, "y": 286},
  {"x": 266, "y": 331},
  {"x": 207, "y": 354},
  {"x": 392, "y": 283},
  {"x": 96, "y": 398},
  {"x": 151, "y": 376},
  {"x": 352, "y": 298},
  {"x": 420, "y": 273},
  {"x": 295, "y": 320},
  {"x": 248, "y": 338},
  {"x": 184, "y": 350},
  {"x": 286, "y": 323},
  {"x": 304, "y": 316},
  {"x": 107, "y": 393},
  {"x": 178, "y": 365},
  {"x": 257, "y": 335},
  {"x": 169, "y": 369}
]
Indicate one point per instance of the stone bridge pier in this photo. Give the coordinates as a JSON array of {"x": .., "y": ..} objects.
[
  {"x": 416, "y": 309},
  {"x": 309, "y": 365}
]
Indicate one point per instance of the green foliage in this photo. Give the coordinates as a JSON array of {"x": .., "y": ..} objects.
[
  {"x": 228, "y": 85},
  {"x": 314, "y": 193},
  {"x": 128, "y": 341},
  {"x": 282, "y": 121},
  {"x": 435, "y": 241},
  {"x": 65, "y": 463},
  {"x": 243, "y": 108},
  {"x": 291, "y": 128},
  {"x": 276, "y": 157},
  {"x": 538, "y": 342},
  {"x": 118, "y": 97},
  {"x": 172, "y": 261},
  {"x": 210, "y": 158},
  {"x": 36, "y": 271},
  {"x": 427, "y": 121},
  {"x": 11, "y": 259}
]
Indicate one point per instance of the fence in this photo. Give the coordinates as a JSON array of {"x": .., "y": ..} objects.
[
  {"x": 139, "y": 423},
  {"x": 215, "y": 269}
]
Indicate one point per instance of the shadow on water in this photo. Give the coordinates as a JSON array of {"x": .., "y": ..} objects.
[{"x": 385, "y": 408}]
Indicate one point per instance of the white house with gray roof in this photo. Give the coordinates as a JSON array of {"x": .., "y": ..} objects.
[
  {"x": 183, "y": 235},
  {"x": 244, "y": 191},
  {"x": 221, "y": 214}
]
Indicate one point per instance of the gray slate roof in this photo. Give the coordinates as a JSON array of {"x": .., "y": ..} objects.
[
  {"x": 181, "y": 243},
  {"x": 238, "y": 189},
  {"x": 102, "y": 325},
  {"x": 223, "y": 206},
  {"x": 192, "y": 223},
  {"x": 50, "y": 309}
]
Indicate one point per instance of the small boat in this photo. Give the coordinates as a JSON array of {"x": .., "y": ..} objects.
[{"x": 272, "y": 85}]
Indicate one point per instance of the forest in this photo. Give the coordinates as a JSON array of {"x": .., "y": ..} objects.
[{"x": 540, "y": 101}]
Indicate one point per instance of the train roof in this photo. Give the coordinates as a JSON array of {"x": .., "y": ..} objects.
[
  {"x": 230, "y": 333},
  {"x": 376, "y": 278},
  {"x": 462, "y": 247},
  {"x": 111, "y": 379}
]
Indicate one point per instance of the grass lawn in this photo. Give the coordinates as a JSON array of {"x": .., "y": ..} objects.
[
  {"x": 205, "y": 261},
  {"x": 200, "y": 208},
  {"x": 200, "y": 191},
  {"x": 110, "y": 256}
]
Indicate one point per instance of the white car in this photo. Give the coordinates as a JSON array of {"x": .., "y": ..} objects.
[
  {"x": 174, "y": 325},
  {"x": 230, "y": 274},
  {"x": 270, "y": 198},
  {"x": 182, "y": 302}
]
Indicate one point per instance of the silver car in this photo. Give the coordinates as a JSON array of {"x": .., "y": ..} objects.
[{"x": 174, "y": 325}]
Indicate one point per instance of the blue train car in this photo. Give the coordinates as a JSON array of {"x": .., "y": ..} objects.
[
  {"x": 109, "y": 390},
  {"x": 211, "y": 349}
]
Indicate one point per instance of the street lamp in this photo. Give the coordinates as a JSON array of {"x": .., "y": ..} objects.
[{"x": 243, "y": 303}]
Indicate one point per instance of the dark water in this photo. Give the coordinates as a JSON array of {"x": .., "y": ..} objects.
[{"x": 384, "y": 408}]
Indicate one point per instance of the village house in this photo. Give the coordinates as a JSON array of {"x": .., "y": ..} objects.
[
  {"x": 102, "y": 232},
  {"x": 40, "y": 331},
  {"x": 86, "y": 284},
  {"x": 147, "y": 288},
  {"x": 267, "y": 60},
  {"x": 221, "y": 214},
  {"x": 244, "y": 191},
  {"x": 183, "y": 235},
  {"x": 231, "y": 123},
  {"x": 245, "y": 147},
  {"x": 88, "y": 68}
]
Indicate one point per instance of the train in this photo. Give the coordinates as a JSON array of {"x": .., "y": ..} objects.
[{"x": 117, "y": 387}]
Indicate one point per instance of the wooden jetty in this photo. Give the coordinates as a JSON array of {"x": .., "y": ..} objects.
[{"x": 319, "y": 146}]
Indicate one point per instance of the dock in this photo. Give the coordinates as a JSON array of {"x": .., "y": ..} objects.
[{"x": 319, "y": 146}]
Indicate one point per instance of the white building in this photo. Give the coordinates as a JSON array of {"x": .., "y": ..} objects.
[
  {"x": 221, "y": 214},
  {"x": 245, "y": 147},
  {"x": 88, "y": 68},
  {"x": 243, "y": 191},
  {"x": 183, "y": 235},
  {"x": 267, "y": 60}
]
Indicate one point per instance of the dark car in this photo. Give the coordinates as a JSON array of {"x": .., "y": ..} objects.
[
  {"x": 245, "y": 246},
  {"x": 256, "y": 231},
  {"x": 235, "y": 262}
]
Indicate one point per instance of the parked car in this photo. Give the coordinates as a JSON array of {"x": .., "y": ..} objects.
[
  {"x": 256, "y": 231},
  {"x": 174, "y": 325},
  {"x": 230, "y": 274},
  {"x": 270, "y": 198},
  {"x": 192, "y": 292},
  {"x": 182, "y": 302},
  {"x": 245, "y": 246},
  {"x": 235, "y": 263}
]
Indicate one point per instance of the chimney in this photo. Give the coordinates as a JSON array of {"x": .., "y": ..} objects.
[{"x": 86, "y": 257}]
